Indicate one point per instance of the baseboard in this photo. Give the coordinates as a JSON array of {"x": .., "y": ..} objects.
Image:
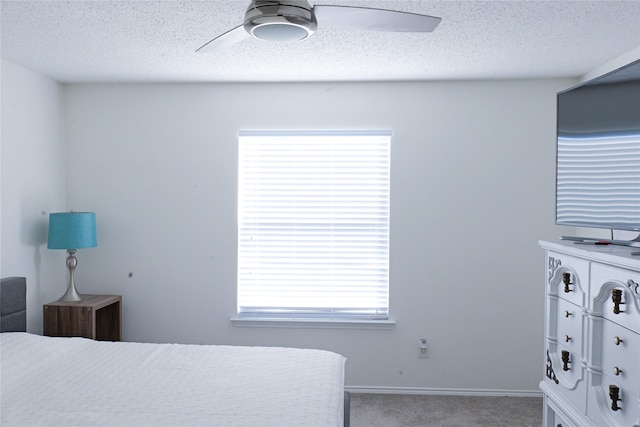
[{"x": 443, "y": 391}]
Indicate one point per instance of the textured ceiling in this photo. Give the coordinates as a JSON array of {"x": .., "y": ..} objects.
[{"x": 155, "y": 41}]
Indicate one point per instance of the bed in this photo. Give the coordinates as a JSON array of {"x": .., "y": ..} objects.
[{"x": 51, "y": 381}]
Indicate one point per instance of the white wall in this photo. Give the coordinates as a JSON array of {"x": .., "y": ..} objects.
[
  {"x": 33, "y": 184},
  {"x": 472, "y": 181}
]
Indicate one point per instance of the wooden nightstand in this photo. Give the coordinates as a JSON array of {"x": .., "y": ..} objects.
[{"x": 98, "y": 317}]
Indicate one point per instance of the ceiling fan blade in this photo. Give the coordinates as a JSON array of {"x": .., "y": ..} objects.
[
  {"x": 225, "y": 40},
  {"x": 364, "y": 18}
]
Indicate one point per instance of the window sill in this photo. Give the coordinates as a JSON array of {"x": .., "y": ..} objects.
[{"x": 312, "y": 323}]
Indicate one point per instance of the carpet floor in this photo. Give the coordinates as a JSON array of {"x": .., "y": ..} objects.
[{"x": 404, "y": 410}]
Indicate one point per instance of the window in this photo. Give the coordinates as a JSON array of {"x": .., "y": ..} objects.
[{"x": 313, "y": 225}]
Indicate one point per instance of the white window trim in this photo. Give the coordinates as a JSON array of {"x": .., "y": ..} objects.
[{"x": 312, "y": 323}]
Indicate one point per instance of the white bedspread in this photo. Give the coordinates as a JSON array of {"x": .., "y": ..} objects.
[{"x": 79, "y": 382}]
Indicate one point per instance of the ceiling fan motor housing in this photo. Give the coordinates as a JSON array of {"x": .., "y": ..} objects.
[{"x": 280, "y": 20}]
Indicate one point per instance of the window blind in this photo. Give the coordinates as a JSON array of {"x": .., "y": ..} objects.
[{"x": 313, "y": 224}]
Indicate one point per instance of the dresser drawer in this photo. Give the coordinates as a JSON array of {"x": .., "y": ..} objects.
[
  {"x": 568, "y": 277},
  {"x": 556, "y": 418},
  {"x": 566, "y": 374},
  {"x": 615, "y": 295},
  {"x": 621, "y": 356},
  {"x": 569, "y": 329},
  {"x": 559, "y": 420},
  {"x": 611, "y": 404}
]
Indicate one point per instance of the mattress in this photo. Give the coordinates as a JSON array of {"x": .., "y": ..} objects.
[{"x": 67, "y": 382}]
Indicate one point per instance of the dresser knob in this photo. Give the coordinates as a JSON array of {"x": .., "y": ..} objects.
[
  {"x": 617, "y": 340},
  {"x": 614, "y": 395},
  {"x": 567, "y": 338},
  {"x": 566, "y": 279},
  {"x": 565, "y": 360},
  {"x": 617, "y": 371},
  {"x": 567, "y": 313},
  {"x": 616, "y": 297}
]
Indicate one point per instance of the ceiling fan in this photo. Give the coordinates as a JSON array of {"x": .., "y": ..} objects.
[{"x": 293, "y": 20}]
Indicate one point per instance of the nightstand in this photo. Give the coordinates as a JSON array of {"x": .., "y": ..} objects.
[{"x": 98, "y": 317}]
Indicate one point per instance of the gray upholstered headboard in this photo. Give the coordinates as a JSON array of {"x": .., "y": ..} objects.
[{"x": 13, "y": 304}]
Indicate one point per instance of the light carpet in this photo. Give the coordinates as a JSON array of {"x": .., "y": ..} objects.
[{"x": 404, "y": 410}]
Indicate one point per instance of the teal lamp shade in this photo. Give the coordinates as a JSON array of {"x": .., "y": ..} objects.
[{"x": 72, "y": 230}]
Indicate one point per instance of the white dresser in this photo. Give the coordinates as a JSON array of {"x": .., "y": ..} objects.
[{"x": 592, "y": 336}]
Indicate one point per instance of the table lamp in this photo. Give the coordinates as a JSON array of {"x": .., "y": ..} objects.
[{"x": 72, "y": 231}]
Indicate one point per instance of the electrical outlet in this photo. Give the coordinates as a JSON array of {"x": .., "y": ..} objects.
[{"x": 422, "y": 348}]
